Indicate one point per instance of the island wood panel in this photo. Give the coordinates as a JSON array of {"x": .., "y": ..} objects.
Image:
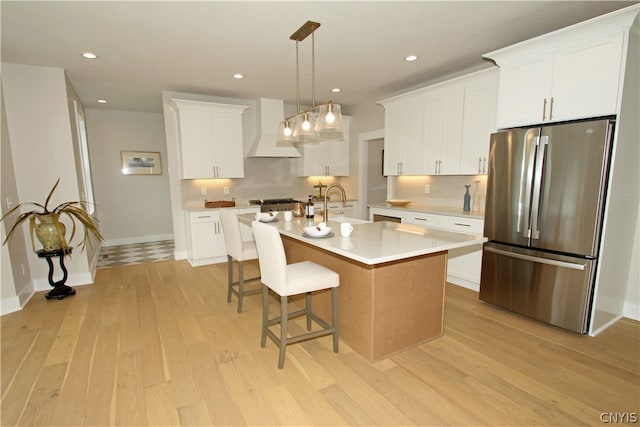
[{"x": 383, "y": 308}]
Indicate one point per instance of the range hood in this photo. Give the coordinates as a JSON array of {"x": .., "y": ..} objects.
[{"x": 270, "y": 112}]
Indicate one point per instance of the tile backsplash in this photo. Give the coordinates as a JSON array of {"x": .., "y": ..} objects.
[
  {"x": 264, "y": 178},
  {"x": 444, "y": 191}
]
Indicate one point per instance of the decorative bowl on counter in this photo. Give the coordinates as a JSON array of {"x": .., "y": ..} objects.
[
  {"x": 398, "y": 202},
  {"x": 319, "y": 230},
  {"x": 267, "y": 216},
  {"x": 219, "y": 203}
]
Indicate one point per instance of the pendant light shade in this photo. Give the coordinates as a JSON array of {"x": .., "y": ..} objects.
[
  {"x": 285, "y": 133},
  {"x": 305, "y": 130},
  {"x": 329, "y": 123},
  {"x": 318, "y": 123}
]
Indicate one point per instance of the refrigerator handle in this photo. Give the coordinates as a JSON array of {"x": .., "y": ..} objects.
[
  {"x": 526, "y": 227},
  {"x": 532, "y": 258},
  {"x": 537, "y": 185}
]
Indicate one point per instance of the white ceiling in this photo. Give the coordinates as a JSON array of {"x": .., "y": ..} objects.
[{"x": 195, "y": 46}]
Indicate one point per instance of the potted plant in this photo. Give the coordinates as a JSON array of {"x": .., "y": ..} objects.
[{"x": 48, "y": 228}]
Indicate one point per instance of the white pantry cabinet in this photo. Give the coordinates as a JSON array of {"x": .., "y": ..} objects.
[
  {"x": 328, "y": 158},
  {"x": 565, "y": 75},
  {"x": 210, "y": 138}
]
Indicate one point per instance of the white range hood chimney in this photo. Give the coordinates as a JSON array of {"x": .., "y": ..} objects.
[{"x": 270, "y": 112}]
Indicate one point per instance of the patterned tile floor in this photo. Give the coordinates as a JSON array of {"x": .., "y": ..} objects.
[{"x": 138, "y": 253}]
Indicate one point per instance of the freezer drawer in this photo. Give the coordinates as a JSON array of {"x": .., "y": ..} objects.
[{"x": 552, "y": 288}]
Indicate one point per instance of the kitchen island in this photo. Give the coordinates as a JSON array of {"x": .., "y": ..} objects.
[{"x": 392, "y": 279}]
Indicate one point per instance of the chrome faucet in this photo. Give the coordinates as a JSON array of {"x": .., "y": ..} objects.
[{"x": 325, "y": 210}]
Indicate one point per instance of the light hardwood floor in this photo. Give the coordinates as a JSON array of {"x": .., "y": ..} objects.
[{"x": 157, "y": 344}]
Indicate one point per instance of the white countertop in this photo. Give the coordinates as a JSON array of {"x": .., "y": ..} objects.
[
  {"x": 197, "y": 206},
  {"x": 375, "y": 242},
  {"x": 438, "y": 210}
]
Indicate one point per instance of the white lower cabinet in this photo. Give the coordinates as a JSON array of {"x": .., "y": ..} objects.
[
  {"x": 464, "y": 264},
  {"x": 347, "y": 209},
  {"x": 205, "y": 238}
]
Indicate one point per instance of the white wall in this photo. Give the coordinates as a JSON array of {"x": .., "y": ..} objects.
[
  {"x": 40, "y": 134},
  {"x": 15, "y": 283},
  {"x": 131, "y": 208}
]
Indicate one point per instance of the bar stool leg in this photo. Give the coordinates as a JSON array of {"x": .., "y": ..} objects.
[
  {"x": 265, "y": 315},
  {"x": 308, "y": 303},
  {"x": 230, "y": 277},
  {"x": 240, "y": 285},
  {"x": 284, "y": 316},
  {"x": 334, "y": 315}
]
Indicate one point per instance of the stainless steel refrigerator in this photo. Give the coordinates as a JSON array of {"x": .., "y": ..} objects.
[{"x": 546, "y": 189}]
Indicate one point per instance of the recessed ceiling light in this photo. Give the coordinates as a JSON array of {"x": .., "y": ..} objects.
[
  {"x": 102, "y": 101},
  {"x": 238, "y": 76},
  {"x": 411, "y": 58},
  {"x": 89, "y": 55},
  {"x": 336, "y": 90}
]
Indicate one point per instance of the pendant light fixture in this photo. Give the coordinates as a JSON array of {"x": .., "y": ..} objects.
[{"x": 320, "y": 122}]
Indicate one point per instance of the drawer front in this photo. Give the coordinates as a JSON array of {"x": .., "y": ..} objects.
[
  {"x": 197, "y": 217},
  {"x": 464, "y": 225},
  {"x": 426, "y": 220}
]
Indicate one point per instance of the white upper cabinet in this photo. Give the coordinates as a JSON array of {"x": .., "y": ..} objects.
[
  {"x": 442, "y": 129},
  {"x": 573, "y": 73},
  {"x": 479, "y": 122},
  {"x": 328, "y": 158},
  {"x": 210, "y": 139},
  {"x": 404, "y": 137}
]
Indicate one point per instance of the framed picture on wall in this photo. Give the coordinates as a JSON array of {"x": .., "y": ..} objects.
[{"x": 141, "y": 163}]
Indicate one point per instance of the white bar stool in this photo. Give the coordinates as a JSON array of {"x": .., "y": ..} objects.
[
  {"x": 240, "y": 251},
  {"x": 292, "y": 279}
]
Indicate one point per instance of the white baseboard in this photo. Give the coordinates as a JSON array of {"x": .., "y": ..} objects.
[
  {"x": 464, "y": 283},
  {"x": 139, "y": 239},
  {"x": 10, "y": 304},
  {"x": 631, "y": 310}
]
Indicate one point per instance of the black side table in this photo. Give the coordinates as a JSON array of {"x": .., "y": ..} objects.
[{"x": 60, "y": 290}]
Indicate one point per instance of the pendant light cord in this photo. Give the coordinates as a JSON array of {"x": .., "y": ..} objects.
[
  {"x": 313, "y": 70},
  {"x": 297, "y": 77}
]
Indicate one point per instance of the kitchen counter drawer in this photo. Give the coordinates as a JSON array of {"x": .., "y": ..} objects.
[
  {"x": 198, "y": 217},
  {"x": 425, "y": 220},
  {"x": 462, "y": 225}
]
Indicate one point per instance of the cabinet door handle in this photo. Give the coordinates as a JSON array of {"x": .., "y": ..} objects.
[
  {"x": 484, "y": 165},
  {"x": 461, "y": 224},
  {"x": 204, "y": 216},
  {"x": 436, "y": 168},
  {"x": 479, "y": 164},
  {"x": 551, "y": 109},
  {"x": 544, "y": 109},
  {"x": 420, "y": 219}
]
